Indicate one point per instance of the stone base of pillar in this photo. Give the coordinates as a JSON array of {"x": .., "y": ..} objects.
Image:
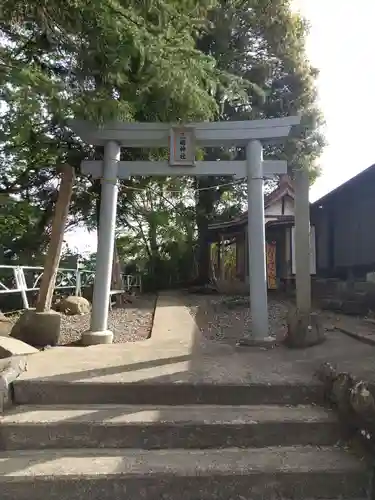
[
  {"x": 265, "y": 343},
  {"x": 304, "y": 329},
  {"x": 96, "y": 338}
]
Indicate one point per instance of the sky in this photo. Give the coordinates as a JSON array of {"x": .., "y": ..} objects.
[{"x": 339, "y": 46}]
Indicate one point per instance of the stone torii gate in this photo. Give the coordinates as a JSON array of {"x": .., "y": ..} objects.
[{"x": 183, "y": 141}]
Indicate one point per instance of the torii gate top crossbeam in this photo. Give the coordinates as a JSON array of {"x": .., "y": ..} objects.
[{"x": 208, "y": 134}]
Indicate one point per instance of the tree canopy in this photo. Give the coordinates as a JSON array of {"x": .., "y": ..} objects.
[{"x": 144, "y": 60}]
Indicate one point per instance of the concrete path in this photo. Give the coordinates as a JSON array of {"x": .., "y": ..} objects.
[{"x": 177, "y": 353}]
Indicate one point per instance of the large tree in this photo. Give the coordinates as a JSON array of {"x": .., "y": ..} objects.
[
  {"x": 263, "y": 42},
  {"x": 106, "y": 59},
  {"x": 145, "y": 60},
  {"x": 131, "y": 60}
]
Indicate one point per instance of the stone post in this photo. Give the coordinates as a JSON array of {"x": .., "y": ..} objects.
[{"x": 302, "y": 242}]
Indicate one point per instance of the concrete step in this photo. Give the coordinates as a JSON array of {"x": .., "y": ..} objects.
[
  {"x": 263, "y": 473},
  {"x": 155, "y": 427},
  {"x": 51, "y": 392}
]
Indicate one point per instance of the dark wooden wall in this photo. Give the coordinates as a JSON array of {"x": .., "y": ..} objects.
[{"x": 345, "y": 229}]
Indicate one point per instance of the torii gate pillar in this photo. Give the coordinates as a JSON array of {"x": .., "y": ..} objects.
[
  {"x": 99, "y": 333},
  {"x": 256, "y": 243}
]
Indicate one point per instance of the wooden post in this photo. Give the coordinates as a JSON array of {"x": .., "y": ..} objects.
[{"x": 52, "y": 259}]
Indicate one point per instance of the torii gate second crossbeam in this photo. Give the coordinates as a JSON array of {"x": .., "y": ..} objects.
[{"x": 183, "y": 142}]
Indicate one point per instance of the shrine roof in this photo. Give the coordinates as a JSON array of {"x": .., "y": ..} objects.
[{"x": 285, "y": 188}]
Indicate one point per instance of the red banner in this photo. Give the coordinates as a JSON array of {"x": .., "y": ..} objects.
[{"x": 271, "y": 266}]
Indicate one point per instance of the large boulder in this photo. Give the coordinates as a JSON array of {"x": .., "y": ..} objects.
[
  {"x": 38, "y": 329},
  {"x": 14, "y": 347},
  {"x": 73, "y": 305},
  {"x": 6, "y": 325}
]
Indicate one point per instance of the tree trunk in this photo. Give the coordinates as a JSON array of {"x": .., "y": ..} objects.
[
  {"x": 203, "y": 251},
  {"x": 117, "y": 281},
  {"x": 52, "y": 259},
  {"x": 204, "y": 209},
  {"x": 154, "y": 249}
]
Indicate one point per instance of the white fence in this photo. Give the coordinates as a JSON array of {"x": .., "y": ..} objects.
[{"x": 23, "y": 279}]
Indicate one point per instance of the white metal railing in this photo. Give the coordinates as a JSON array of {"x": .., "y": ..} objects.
[{"x": 23, "y": 279}]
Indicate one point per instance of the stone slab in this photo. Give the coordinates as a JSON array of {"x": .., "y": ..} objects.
[
  {"x": 296, "y": 472},
  {"x": 13, "y": 347},
  {"x": 10, "y": 369},
  {"x": 147, "y": 427},
  {"x": 165, "y": 392},
  {"x": 361, "y": 333},
  {"x": 148, "y": 414}
]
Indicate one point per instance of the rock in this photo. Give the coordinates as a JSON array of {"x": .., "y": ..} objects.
[
  {"x": 326, "y": 373},
  {"x": 341, "y": 389},
  {"x": 14, "y": 347},
  {"x": 303, "y": 330},
  {"x": 362, "y": 401},
  {"x": 73, "y": 305},
  {"x": 38, "y": 329},
  {"x": 6, "y": 325}
]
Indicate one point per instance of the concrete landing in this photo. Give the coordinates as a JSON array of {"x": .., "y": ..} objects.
[{"x": 178, "y": 354}]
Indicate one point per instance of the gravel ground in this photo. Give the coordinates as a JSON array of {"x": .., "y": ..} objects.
[
  {"x": 129, "y": 323},
  {"x": 227, "y": 319}
]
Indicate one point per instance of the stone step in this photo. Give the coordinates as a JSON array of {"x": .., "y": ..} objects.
[
  {"x": 51, "y": 392},
  {"x": 263, "y": 473},
  {"x": 155, "y": 427}
]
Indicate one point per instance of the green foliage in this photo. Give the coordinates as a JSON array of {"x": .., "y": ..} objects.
[
  {"x": 98, "y": 60},
  {"x": 263, "y": 43},
  {"x": 160, "y": 234},
  {"x": 20, "y": 236},
  {"x": 105, "y": 59},
  {"x": 143, "y": 60}
]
